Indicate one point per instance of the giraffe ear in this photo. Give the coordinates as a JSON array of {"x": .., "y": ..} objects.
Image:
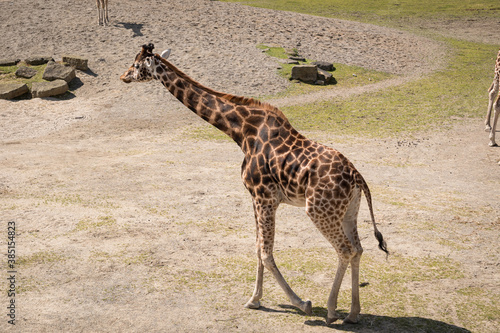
[{"x": 165, "y": 53}]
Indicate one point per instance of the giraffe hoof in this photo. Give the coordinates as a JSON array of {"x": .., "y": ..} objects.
[
  {"x": 252, "y": 304},
  {"x": 306, "y": 307},
  {"x": 350, "y": 321},
  {"x": 329, "y": 320},
  {"x": 487, "y": 129},
  {"x": 492, "y": 144}
]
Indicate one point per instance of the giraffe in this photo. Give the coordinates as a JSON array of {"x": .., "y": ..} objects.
[
  {"x": 494, "y": 102},
  {"x": 280, "y": 166},
  {"x": 102, "y": 12}
]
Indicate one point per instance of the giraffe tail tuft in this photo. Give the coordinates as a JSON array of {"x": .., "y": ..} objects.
[{"x": 360, "y": 181}]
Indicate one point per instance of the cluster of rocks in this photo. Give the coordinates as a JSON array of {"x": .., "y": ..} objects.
[
  {"x": 56, "y": 76},
  {"x": 317, "y": 72}
]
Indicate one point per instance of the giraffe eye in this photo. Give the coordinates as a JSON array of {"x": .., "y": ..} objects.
[{"x": 136, "y": 66}]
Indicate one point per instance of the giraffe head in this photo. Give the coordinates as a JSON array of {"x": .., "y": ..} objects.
[{"x": 143, "y": 67}]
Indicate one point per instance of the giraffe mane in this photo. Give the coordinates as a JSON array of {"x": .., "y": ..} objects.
[{"x": 238, "y": 100}]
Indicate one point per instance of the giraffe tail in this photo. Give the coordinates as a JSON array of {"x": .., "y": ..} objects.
[{"x": 360, "y": 181}]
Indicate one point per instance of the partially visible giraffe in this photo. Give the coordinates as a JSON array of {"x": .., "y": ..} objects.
[
  {"x": 102, "y": 12},
  {"x": 494, "y": 102},
  {"x": 280, "y": 166}
]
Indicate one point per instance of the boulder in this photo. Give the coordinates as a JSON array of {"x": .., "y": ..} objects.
[
  {"x": 297, "y": 58},
  {"x": 324, "y": 65},
  {"x": 12, "y": 90},
  {"x": 305, "y": 73},
  {"x": 76, "y": 62},
  {"x": 46, "y": 89},
  {"x": 325, "y": 76},
  {"x": 26, "y": 72},
  {"x": 37, "y": 60},
  {"x": 55, "y": 71},
  {"x": 9, "y": 62}
]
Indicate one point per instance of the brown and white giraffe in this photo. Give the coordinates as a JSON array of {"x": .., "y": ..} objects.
[
  {"x": 102, "y": 12},
  {"x": 280, "y": 166},
  {"x": 494, "y": 102}
]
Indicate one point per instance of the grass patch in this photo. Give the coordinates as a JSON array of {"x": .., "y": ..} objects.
[
  {"x": 90, "y": 224},
  {"x": 432, "y": 101},
  {"x": 42, "y": 257},
  {"x": 345, "y": 76},
  {"x": 206, "y": 133},
  {"x": 390, "y": 13},
  {"x": 7, "y": 74}
]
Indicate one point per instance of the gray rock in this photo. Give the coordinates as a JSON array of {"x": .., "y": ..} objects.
[
  {"x": 324, "y": 65},
  {"x": 37, "y": 60},
  {"x": 26, "y": 72},
  {"x": 305, "y": 73},
  {"x": 297, "y": 58},
  {"x": 55, "y": 71},
  {"x": 289, "y": 61},
  {"x": 325, "y": 76},
  {"x": 76, "y": 62},
  {"x": 9, "y": 62},
  {"x": 46, "y": 89},
  {"x": 12, "y": 90}
]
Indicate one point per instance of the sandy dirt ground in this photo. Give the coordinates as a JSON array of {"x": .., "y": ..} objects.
[{"x": 131, "y": 216}]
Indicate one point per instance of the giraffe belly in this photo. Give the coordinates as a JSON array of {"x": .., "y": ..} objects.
[{"x": 297, "y": 200}]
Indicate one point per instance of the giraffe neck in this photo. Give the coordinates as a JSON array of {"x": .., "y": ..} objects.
[{"x": 221, "y": 110}]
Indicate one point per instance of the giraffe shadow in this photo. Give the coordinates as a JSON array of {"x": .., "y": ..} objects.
[
  {"x": 135, "y": 27},
  {"x": 374, "y": 323}
]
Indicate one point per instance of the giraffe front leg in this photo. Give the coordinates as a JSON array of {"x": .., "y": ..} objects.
[{"x": 265, "y": 210}]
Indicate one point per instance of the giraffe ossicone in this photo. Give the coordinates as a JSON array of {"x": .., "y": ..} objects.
[
  {"x": 165, "y": 54},
  {"x": 280, "y": 166}
]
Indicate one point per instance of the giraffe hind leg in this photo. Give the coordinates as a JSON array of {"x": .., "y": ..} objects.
[
  {"x": 341, "y": 231},
  {"x": 492, "y": 142},
  {"x": 492, "y": 94}
]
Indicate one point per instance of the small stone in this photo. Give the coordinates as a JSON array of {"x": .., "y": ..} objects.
[
  {"x": 38, "y": 60},
  {"x": 46, "y": 89},
  {"x": 12, "y": 90},
  {"x": 9, "y": 62},
  {"x": 297, "y": 58},
  {"x": 55, "y": 71},
  {"x": 76, "y": 62},
  {"x": 325, "y": 76},
  {"x": 26, "y": 72},
  {"x": 289, "y": 61},
  {"x": 324, "y": 65}
]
